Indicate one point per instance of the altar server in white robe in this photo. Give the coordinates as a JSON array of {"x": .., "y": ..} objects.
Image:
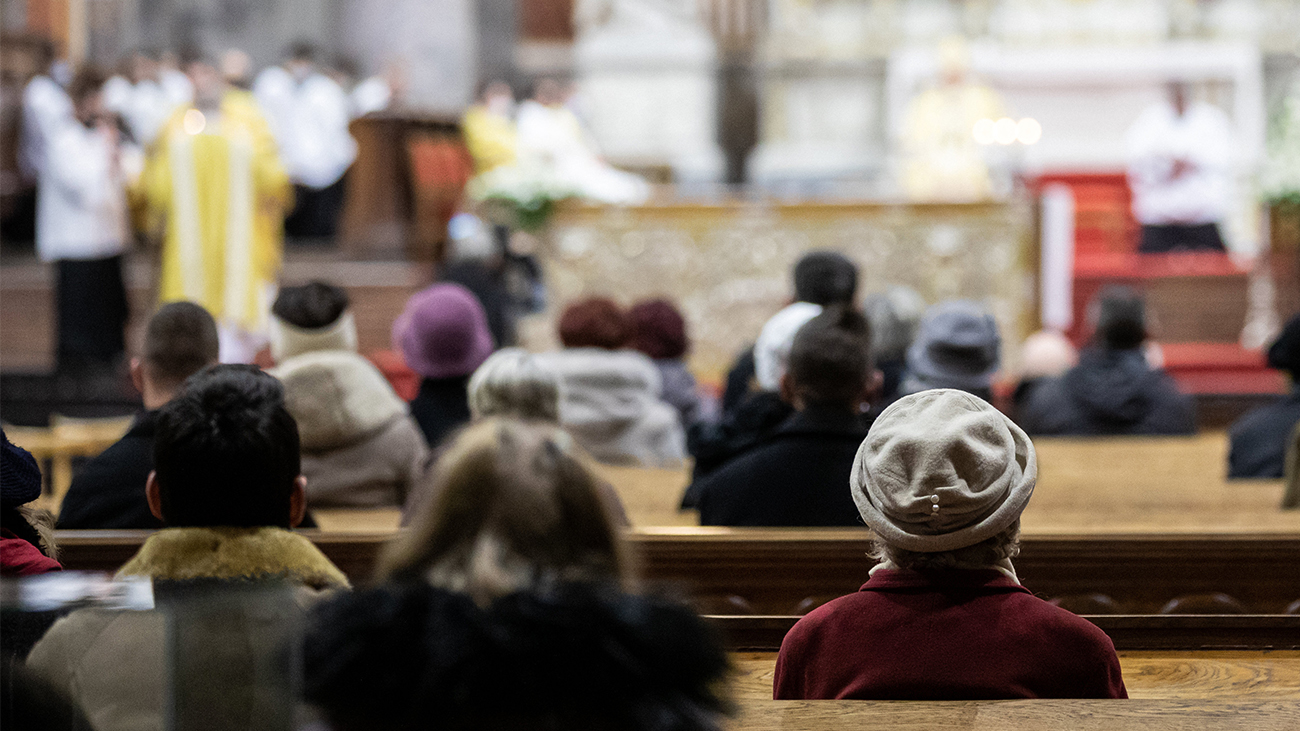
[
  {"x": 1180, "y": 165},
  {"x": 309, "y": 115},
  {"x": 550, "y": 135},
  {"x": 140, "y": 99},
  {"x": 46, "y": 107},
  {"x": 82, "y": 226}
]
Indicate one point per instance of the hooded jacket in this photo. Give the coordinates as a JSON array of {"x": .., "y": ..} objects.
[
  {"x": 360, "y": 446},
  {"x": 610, "y": 402},
  {"x": 113, "y": 664},
  {"x": 1110, "y": 392}
]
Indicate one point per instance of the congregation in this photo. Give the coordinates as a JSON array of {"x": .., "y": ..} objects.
[
  {"x": 398, "y": 490},
  {"x": 510, "y": 533}
]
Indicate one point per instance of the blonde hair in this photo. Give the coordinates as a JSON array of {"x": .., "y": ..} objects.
[
  {"x": 513, "y": 382},
  {"x": 514, "y": 508}
]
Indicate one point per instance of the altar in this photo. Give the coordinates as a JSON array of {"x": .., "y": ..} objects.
[{"x": 727, "y": 264}]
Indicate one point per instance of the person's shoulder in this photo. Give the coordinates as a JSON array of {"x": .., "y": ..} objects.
[
  {"x": 73, "y": 636},
  {"x": 1058, "y": 626},
  {"x": 852, "y": 610}
]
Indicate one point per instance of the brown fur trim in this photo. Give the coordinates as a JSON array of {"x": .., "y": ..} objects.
[{"x": 234, "y": 553}]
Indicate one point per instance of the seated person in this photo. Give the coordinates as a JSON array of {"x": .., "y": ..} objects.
[
  {"x": 659, "y": 331},
  {"x": 1045, "y": 355},
  {"x": 443, "y": 336},
  {"x": 360, "y": 446},
  {"x": 1113, "y": 390},
  {"x": 713, "y": 445},
  {"x": 26, "y": 541},
  {"x": 796, "y": 475},
  {"x": 512, "y": 383},
  {"x": 108, "y": 491},
  {"x": 514, "y": 577},
  {"x": 227, "y": 485},
  {"x": 895, "y": 317},
  {"x": 941, "y": 480},
  {"x": 958, "y": 346},
  {"x": 1261, "y": 437},
  {"x": 821, "y": 278},
  {"x": 609, "y": 395}
]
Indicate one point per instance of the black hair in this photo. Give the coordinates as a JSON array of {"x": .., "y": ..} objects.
[
  {"x": 1284, "y": 353},
  {"x": 1121, "y": 318},
  {"x": 87, "y": 81},
  {"x": 825, "y": 278},
  {"x": 181, "y": 340},
  {"x": 830, "y": 358},
  {"x": 313, "y": 305},
  {"x": 226, "y": 451},
  {"x": 303, "y": 50}
]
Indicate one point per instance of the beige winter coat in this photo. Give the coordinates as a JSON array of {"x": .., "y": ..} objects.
[
  {"x": 360, "y": 446},
  {"x": 113, "y": 663}
]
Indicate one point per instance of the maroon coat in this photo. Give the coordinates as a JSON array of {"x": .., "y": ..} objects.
[
  {"x": 951, "y": 635},
  {"x": 20, "y": 558}
]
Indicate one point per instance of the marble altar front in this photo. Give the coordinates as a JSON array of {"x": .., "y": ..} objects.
[{"x": 727, "y": 266}]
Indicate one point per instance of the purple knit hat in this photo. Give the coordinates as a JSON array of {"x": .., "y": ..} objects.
[{"x": 443, "y": 332}]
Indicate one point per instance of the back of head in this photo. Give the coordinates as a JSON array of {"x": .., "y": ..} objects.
[
  {"x": 309, "y": 318},
  {"x": 1046, "y": 354},
  {"x": 658, "y": 329},
  {"x": 180, "y": 340},
  {"x": 825, "y": 278},
  {"x": 303, "y": 51},
  {"x": 958, "y": 346},
  {"x": 595, "y": 323},
  {"x": 772, "y": 348},
  {"x": 1284, "y": 353},
  {"x": 515, "y": 509},
  {"x": 87, "y": 81},
  {"x": 830, "y": 359},
  {"x": 513, "y": 382},
  {"x": 1121, "y": 318},
  {"x": 226, "y": 451},
  {"x": 895, "y": 317},
  {"x": 443, "y": 332},
  {"x": 310, "y": 306}
]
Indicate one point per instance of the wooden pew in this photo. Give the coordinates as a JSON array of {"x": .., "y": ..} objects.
[
  {"x": 790, "y": 571},
  {"x": 1215, "y": 675},
  {"x": 1025, "y": 715},
  {"x": 1142, "y": 632}
]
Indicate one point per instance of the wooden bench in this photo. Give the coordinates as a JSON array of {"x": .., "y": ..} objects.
[
  {"x": 1177, "y": 675},
  {"x": 1142, "y": 632},
  {"x": 790, "y": 571},
  {"x": 1026, "y": 715}
]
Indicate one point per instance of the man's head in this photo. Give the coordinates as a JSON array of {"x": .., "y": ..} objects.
[
  {"x": 87, "y": 94},
  {"x": 180, "y": 340},
  {"x": 1284, "y": 353},
  {"x": 830, "y": 362},
  {"x": 311, "y": 317},
  {"x": 209, "y": 86},
  {"x": 825, "y": 278},
  {"x": 226, "y": 454},
  {"x": 302, "y": 59},
  {"x": 1121, "y": 318}
]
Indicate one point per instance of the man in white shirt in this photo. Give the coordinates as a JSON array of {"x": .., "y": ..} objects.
[
  {"x": 1180, "y": 170},
  {"x": 82, "y": 226},
  {"x": 140, "y": 99},
  {"x": 309, "y": 115},
  {"x": 45, "y": 107}
]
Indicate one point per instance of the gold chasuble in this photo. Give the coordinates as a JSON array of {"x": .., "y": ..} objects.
[
  {"x": 222, "y": 192},
  {"x": 490, "y": 138}
]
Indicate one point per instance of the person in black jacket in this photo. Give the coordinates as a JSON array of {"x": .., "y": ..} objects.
[
  {"x": 1260, "y": 438},
  {"x": 1113, "y": 390},
  {"x": 798, "y": 475},
  {"x": 108, "y": 492}
]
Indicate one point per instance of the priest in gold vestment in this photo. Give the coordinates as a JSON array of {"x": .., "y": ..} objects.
[{"x": 217, "y": 183}]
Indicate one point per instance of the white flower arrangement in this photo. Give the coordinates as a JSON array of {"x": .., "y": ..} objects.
[
  {"x": 518, "y": 196},
  {"x": 1280, "y": 178}
]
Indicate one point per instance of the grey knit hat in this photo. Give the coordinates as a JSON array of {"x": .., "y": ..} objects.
[
  {"x": 942, "y": 470},
  {"x": 958, "y": 346}
]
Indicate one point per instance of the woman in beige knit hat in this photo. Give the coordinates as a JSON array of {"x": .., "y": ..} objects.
[{"x": 941, "y": 479}]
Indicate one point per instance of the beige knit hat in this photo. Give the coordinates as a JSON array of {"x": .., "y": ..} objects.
[{"x": 942, "y": 470}]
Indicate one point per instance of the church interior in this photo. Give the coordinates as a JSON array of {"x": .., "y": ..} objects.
[{"x": 1007, "y": 178}]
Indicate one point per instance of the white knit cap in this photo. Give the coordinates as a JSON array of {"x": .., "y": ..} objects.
[
  {"x": 942, "y": 470},
  {"x": 772, "y": 349}
]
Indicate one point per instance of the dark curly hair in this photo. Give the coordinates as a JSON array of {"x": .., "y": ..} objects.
[{"x": 595, "y": 323}]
